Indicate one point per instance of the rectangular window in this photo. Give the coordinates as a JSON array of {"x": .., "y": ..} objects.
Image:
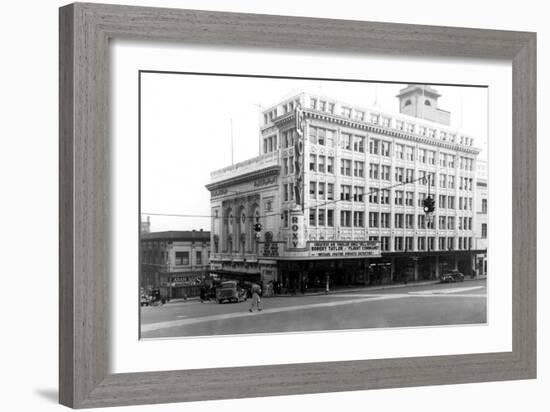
[
  {"x": 385, "y": 172},
  {"x": 373, "y": 219},
  {"x": 450, "y": 202},
  {"x": 182, "y": 258},
  {"x": 359, "y": 192},
  {"x": 321, "y": 191},
  {"x": 451, "y": 182},
  {"x": 443, "y": 181},
  {"x": 451, "y": 223},
  {"x": 346, "y": 111},
  {"x": 198, "y": 257},
  {"x": 345, "y": 218},
  {"x": 441, "y": 243},
  {"x": 385, "y": 243},
  {"x": 385, "y": 220},
  {"x": 321, "y": 164},
  {"x": 312, "y": 213},
  {"x": 321, "y": 134},
  {"x": 358, "y": 219},
  {"x": 409, "y": 175},
  {"x": 373, "y": 170},
  {"x": 330, "y": 165},
  {"x": 409, "y": 243},
  {"x": 330, "y": 217},
  {"x": 399, "y": 151},
  {"x": 421, "y": 243},
  {"x": 359, "y": 144},
  {"x": 398, "y": 220},
  {"x": 374, "y": 146},
  {"x": 398, "y": 200},
  {"x": 285, "y": 192},
  {"x": 483, "y": 205},
  {"x": 321, "y": 217},
  {"x": 359, "y": 169},
  {"x": 450, "y": 243},
  {"x": 345, "y": 192},
  {"x": 442, "y": 201},
  {"x": 329, "y": 138},
  {"x": 373, "y": 195},
  {"x": 398, "y": 243},
  {"x": 312, "y": 190},
  {"x": 313, "y": 135},
  {"x": 409, "y": 153},
  {"x": 345, "y": 139},
  {"x": 421, "y": 222},
  {"x": 291, "y": 164},
  {"x": 409, "y": 198},
  {"x": 399, "y": 172},
  {"x": 409, "y": 221},
  {"x": 359, "y": 115},
  {"x": 442, "y": 222},
  {"x": 345, "y": 167},
  {"x": 313, "y": 103},
  {"x": 385, "y": 149},
  {"x": 451, "y": 161},
  {"x": 422, "y": 155},
  {"x": 285, "y": 218},
  {"x": 431, "y": 243},
  {"x": 442, "y": 159},
  {"x": 312, "y": 162},
  {"x": 330, "y": 191},
  {"x": 431, "y": 157},
  {"x": 385, "y": 196}
]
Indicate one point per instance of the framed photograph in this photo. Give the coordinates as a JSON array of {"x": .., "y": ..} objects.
[{"x": 257, "y": 205}]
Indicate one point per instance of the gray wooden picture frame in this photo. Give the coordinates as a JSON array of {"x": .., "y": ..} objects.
[{"x": 85, "y": 31}]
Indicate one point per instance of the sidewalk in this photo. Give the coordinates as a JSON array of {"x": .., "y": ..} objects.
[
  {"x": 376, "y": 287},
  {"x": 346, "y": 289}
]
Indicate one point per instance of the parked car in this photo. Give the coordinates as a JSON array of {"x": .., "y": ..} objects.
[
  {"x": 230, "y": 291},
  {"x": 145, "y": 300},
  {"x": 451, "y": 277}
]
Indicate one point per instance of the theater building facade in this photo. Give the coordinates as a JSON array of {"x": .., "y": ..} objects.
[{"x": 338, "y": 191}]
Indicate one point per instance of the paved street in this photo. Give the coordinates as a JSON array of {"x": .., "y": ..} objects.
[{"x": 410, "y": 305}]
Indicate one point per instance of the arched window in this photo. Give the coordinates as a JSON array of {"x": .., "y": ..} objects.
[
  {"x": 408, "y": 102},
  {"x": 427, "y": 103}
]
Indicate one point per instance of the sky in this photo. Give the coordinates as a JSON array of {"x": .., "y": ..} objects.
[{"x": 187, "y": 122}]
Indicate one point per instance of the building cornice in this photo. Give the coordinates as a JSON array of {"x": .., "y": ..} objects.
[
  {"x": 387, "y": 131},
  {"x": 246, "y": 177}
]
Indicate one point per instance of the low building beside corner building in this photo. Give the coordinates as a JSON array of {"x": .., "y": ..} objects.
[
  {"x": 174, "y": 262},
  {"x": 338, "y": 191}
]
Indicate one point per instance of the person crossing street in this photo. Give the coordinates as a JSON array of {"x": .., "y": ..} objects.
[{"x": 256, "y": 290}]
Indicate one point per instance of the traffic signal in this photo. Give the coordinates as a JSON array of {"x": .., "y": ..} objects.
[
  {"x": 257, "y": 227},
  {"x": 429, "y": 205}
]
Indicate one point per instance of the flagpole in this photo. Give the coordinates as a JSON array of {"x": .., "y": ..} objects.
[{"x": 231, "y": 121}]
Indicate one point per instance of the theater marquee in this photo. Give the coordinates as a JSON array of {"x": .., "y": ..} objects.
[{"x": 368, "y": 248}]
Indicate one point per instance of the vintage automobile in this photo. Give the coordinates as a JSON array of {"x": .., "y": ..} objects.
[
  {"x": 145, "y": 300},
  {"x": 230, "y": 291},
  {"x": 451, "y": 277}
]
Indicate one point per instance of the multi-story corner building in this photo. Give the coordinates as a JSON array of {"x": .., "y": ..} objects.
[
  {"x": 174, "y": 261},
  {"x": 339, "y": 189},
  {"x": 481, "y": 217}
]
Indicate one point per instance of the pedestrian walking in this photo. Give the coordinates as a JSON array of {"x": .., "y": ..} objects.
[{"x": 256, "y": 290}]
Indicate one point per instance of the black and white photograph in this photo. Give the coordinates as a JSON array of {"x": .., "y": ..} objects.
[{"x": 276, "y": 205}]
